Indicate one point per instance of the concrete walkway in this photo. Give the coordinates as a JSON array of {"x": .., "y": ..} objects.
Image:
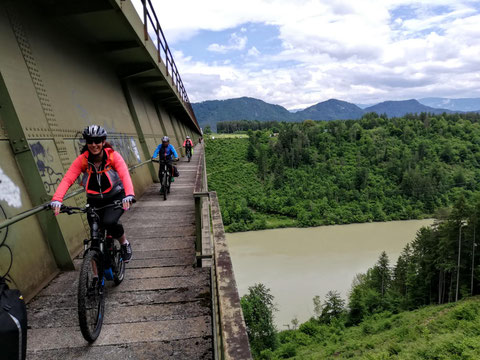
[{"x": 162, "y": 310}]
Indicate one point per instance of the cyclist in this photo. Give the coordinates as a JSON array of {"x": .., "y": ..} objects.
[
  {"x": 106, "y": 179},
  {"x": 188, "y": 144},
  {"x": 166, "y": 152}
]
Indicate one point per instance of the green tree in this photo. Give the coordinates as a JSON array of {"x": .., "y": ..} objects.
[
  {"x": 258, "y": 311},
  {"x": 381, "y": 274},
  {"x": 333, "y": 307},
  {"x": 317, "y": 307}
]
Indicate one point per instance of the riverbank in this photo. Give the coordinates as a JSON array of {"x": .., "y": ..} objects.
[{"x": 299, "y": 263}]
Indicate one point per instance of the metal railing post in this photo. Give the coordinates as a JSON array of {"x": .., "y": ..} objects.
[
  {"x": 170, "y": 66},
  {"x": 145, "y": 29},
  {"x": 158, "y": 44}
]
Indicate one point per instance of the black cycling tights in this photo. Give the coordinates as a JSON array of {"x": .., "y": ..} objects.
[{"x": 110, "y": 215}]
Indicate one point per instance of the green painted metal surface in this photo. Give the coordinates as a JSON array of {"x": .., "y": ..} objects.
[{"x": 62, "y": 67}]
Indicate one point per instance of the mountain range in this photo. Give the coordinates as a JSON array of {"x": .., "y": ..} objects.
[{"x": 245, "y": 108}]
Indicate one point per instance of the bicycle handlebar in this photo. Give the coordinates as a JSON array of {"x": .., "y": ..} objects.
[
  {"x": 158, "y": 161},
  {"x": 70, "y": 210}
]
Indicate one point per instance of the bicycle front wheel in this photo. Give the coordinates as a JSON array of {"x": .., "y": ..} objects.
[
  {"x": 119, "y": 264},
  {"x": 91, "y": 301},
  {"x": 165, "y": 184}
]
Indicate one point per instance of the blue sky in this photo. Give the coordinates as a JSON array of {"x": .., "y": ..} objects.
[{"x": 296, "y": 53}]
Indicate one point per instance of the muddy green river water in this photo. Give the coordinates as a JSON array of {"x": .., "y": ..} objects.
[{"x": 297, "y": 264}]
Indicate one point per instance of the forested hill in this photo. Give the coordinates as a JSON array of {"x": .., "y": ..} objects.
[
  {"x": 373, "y": 169},
  {"x": 209, "y": 113},
  {"x": 400, "y": 108},
  {"x": 245, "y": 108},
  {"x": 330, "y": 110},
  {"x": 465, "y": 104}
]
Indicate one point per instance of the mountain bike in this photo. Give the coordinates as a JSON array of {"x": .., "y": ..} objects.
[
  {"x": 188, "y": 151},
  {"x": 102, "y": 260},
  {"x": 165, "y": 176}
]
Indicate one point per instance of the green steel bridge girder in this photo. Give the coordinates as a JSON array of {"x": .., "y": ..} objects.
[{"x": 33, "y": 181}]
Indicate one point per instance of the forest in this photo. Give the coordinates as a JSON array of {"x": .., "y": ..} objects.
[
  {"x": 381, "y": 319},
  {"x": 345, "y": 171},
  {"x": 232, "y": 127}
]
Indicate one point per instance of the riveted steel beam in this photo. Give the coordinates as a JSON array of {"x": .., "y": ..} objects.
[
  {"x": 33, "y": 181},
  {"x": 112, "y": 46},
  {"x": 138, "y": 127}
]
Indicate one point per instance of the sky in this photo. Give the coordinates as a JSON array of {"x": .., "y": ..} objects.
[{"x": 296, "y": 53}]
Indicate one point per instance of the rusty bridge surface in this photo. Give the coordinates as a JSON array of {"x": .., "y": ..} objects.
[{"x": 162, "y": 310}]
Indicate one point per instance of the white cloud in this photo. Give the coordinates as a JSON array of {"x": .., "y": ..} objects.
[
  {"x": 253, "y": 51},
  {"x": 235, "y": 43},
  {"x": 353, "y": 50}
]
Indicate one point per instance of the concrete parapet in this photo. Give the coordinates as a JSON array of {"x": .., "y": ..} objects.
[{"x": 233, "y": 331}]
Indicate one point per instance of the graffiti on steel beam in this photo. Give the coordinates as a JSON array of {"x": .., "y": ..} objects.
[
  {"x": 124, "y": 144},
  {"x": 80, "y": 108},
  {"x": 45, "y": 162},
  {"x": 127, "y": 147},
  {"x": 4, "y": 231},
  {"x": 9, "y": 192}
]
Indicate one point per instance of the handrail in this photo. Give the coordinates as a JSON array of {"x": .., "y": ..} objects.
[
  {"x": 44, "y": 206},
  {"x": 200, "y": 191},
  {"x": 149, "y": 16}
]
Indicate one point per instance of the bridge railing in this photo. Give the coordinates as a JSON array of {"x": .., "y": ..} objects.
[
  {"x": 150, "y": 20},
  {"x": 229, "y": 330},
  {"x": 45, "y": 206},
  {"x": 202, "y": 218}
]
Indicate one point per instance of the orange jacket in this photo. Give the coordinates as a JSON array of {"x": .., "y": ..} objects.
[{"x": 115, "y": 170}]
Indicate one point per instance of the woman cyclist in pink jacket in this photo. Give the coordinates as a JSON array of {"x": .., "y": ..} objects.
[{"x": 106, "y": 179}]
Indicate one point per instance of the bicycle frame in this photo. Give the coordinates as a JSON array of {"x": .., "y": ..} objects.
[
  {"x": 166, "y": 167},
  {"x": 98, "y": 235}
]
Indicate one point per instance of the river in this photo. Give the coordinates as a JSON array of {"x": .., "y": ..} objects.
[{"x": 299, "y": 263}]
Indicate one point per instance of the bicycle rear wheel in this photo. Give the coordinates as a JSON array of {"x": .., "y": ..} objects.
[
  {"x": 91, "y": 301},
  {"x": 169, "y": 182}
]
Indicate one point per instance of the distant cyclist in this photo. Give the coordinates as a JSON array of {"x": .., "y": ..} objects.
[
  {"x": 188, "y": 144},
  {"x": 166, "y": 152},
  {"x": 106, "y": 179}
]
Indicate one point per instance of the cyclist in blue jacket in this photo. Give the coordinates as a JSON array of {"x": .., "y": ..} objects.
[{"x": 166, "y": 152}]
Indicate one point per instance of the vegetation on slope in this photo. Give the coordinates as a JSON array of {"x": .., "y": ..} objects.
[
  {"x": 441, "y": 332},
  {"x": 321, "y": 173}
]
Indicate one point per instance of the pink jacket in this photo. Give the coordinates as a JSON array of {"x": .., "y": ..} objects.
[
  {"x": 115, "y": 169},
  {"x": 185, "y": 142}
]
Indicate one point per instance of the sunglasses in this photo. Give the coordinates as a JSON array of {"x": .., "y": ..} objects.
[{"x": 94, "y": 140}]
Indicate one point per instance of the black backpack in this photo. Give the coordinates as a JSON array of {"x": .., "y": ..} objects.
[{"x": 13, "y": 324}]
